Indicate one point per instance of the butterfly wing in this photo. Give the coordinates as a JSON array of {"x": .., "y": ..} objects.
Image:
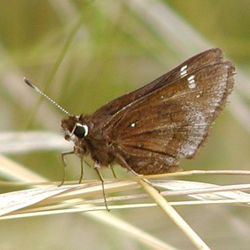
[
  {"x": 209, "y": 57},
  {"x": 171, "y": 121}
]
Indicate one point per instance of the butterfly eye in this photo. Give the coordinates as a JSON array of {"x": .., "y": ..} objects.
[{"x": 80, "y": 130}]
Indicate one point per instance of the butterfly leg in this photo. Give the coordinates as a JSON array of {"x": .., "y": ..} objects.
[
  {"x": 96, "y": 167},
  {"x": 65, "y": 165},
  {"x": 81, "y": 176},
  {"x": 113, "y": 171}
]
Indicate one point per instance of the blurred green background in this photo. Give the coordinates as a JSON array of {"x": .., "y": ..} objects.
[{"x": 85, "y": 53}]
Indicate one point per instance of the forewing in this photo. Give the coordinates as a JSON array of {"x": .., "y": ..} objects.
[
  {"x": 194, "y": 64},
  {"x": 175, "y": 119}
]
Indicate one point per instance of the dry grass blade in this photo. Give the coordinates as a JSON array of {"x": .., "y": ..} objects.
[
  {"x": 83, "y": 198},
  {"x": 177, "y": 219},
  {"x": 80, "y": 195},
  {"x": 13, "y": 201},
  {"x": 22, "y": 142}
]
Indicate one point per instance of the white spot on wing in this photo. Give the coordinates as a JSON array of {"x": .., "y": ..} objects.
[
  {"x": 183, "y": 71},
  {"x": 191, "y": 82},
  {"x": 132, "y": 125}
]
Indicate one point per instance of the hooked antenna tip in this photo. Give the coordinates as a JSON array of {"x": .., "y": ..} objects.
[{"x": 28, "y": 82}]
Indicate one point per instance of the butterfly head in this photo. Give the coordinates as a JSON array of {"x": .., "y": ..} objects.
[{"x": 74, "y": 129}]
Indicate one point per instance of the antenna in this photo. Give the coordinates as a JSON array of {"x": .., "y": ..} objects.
[{"x": 44, "y": 95}]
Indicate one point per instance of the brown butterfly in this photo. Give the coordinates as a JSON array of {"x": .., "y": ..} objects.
[{"x": 147, "y": 130}]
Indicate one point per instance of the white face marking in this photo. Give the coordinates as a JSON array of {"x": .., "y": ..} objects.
[
  {"x": 191, "y": 82},
  {"x": 183, "y": 71},
  {"x": 132, "y": 125},
  {"x": 86, "y": 129}
]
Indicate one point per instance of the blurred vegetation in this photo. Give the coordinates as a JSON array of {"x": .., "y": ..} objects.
[{"x": 85, "y": 53}]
